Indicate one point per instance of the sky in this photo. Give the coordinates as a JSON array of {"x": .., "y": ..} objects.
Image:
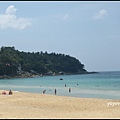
[{"x": 86, "y": 30}]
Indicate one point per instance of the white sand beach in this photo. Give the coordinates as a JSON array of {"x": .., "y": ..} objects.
[{"x": 30, "y": 105}]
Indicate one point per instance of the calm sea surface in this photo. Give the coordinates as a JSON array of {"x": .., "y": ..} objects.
[{"x": 104, "y": 85}]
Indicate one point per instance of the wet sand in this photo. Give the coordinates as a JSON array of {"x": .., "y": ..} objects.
[{"x": 30, "y": 105}]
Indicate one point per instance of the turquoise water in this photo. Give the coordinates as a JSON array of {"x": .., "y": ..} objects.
[{"x": 104, "y": 85}]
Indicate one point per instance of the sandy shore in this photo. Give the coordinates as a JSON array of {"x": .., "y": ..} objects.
[{"x": 29, "y": 105}]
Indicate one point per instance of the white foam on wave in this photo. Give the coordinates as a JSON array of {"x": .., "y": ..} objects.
[{"x": 15, "y": 91}]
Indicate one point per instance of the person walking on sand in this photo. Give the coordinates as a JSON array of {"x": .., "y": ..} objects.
[{"x": 55, "y": 91}]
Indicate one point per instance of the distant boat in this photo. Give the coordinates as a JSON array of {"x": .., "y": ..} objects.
[{"x": 61, "y": 78}]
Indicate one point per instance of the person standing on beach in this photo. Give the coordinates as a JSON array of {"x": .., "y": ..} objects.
[
  {"x": 55, "y": 91},
  {"x": 44, "y": 91},
  {"x": 69, "y": 89},
  {"x": 65, "y": 85}
]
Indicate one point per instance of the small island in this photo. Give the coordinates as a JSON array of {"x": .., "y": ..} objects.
[{"x": 14, "y": 63}]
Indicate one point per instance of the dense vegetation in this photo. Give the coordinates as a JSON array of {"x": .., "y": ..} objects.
[{"x": 14, "y": 62}]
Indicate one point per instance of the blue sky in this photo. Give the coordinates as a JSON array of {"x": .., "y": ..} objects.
[{"x": 88, "y": 31}]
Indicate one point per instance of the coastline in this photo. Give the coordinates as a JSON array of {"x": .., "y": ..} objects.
[
  {"x": 33, "y": 105},
  {"x": 29, "y": 75}
]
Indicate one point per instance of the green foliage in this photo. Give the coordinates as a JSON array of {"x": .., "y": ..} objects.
[{"x": 41, "y": 63}]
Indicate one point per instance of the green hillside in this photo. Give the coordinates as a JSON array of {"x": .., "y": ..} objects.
[{"x": 16, "y": 63}]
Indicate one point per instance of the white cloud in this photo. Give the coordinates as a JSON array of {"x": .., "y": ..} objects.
[
  {"x": 100, "y": 14},
  {"x": 10, "y": 20},
  {"x": 10, "y": 10},
  {"x": 65, "y": 17}
]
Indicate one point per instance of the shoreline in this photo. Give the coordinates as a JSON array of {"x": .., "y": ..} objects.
[
  {"x": 33, "y": 105},
  {"x": 28, "y": 75},
  {"x": 52, "y": 94}
]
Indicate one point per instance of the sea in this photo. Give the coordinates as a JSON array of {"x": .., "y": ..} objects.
[{"x": 104, "y": 85}]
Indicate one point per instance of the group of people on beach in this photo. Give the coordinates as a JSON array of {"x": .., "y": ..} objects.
[
  {"x": 55, "y": 91},
  {"x": 45, "y": 91},
  {"x": 9, "y": 93}
]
